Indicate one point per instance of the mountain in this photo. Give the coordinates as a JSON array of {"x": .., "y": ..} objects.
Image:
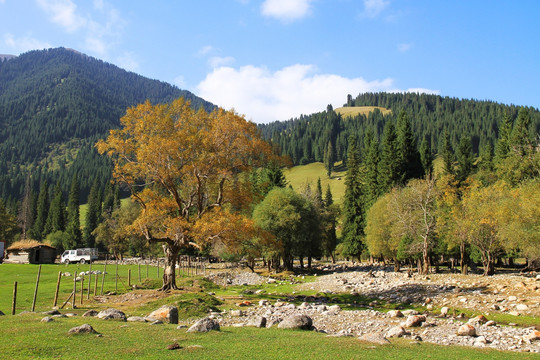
[
  {"x": 54, "y": 105},
  {"x": 305, "y": 139}
]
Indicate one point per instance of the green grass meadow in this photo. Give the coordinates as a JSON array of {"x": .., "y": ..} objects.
[{"x": 300, "y": 176}]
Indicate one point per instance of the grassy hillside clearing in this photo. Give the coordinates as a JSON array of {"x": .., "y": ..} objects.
[
  {"x": 299, "y": 176},
  {"x": 350, "y": 111}
]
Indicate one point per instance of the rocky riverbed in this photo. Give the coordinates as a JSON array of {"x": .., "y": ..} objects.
[{"x": 514, "y": 294}]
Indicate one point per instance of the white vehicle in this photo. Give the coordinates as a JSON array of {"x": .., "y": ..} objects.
[{"x": 86, "y": 255}]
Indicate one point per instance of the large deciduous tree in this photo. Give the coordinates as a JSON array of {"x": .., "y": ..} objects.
[{"x": 180, "y": 165}]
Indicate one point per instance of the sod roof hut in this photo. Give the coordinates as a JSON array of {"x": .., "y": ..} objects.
[{"x": 30, "y": 252}]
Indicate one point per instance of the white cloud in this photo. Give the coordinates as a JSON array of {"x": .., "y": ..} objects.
[
  {"x": 217, "y": 61},
  {"x": 404, "y": 47},
  {"x": 422, "y": 91},
  {"x": 264, "y": 96},
  {"x": 128, "y": 61},
  {"x": 62, "y": 12},
  {"x": 205, "y": 50},
  {"x": 20, "y": 45},
  {"x": 286, "y": 10},
  {"x": 101, "y": 29},
  {"x": 372, "y": 8}
]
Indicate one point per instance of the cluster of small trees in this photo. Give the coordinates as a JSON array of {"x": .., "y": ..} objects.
[{"x": 472, "y": 210}]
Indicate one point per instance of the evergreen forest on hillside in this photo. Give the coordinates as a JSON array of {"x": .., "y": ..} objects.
[
  {"x": 310, "y": 138},
  {"x": 54, "y": 106}
]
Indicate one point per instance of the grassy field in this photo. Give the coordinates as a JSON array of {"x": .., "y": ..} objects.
[
  {"x": 350, "y": 111},
  {"x": 299, "y": 176},
  {"x": 26, "y": 337}
]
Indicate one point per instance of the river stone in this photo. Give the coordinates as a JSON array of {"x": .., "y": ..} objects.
[
  {"x": 83, "y": 329},
  {"x": 111, "y": 314},
  {"x": 522, "y": 307},
  {"x": 136, "y": 319},
  {"x": 303, "y": 322},
  {"x": 259, "y": 321},
  {"x": 480, "y": 319},
  {"x": 166, "y": 313},
  {"x": 204, "y": 325},
  {"x": 466, "y": 330},
  {"x": 376, "y": 338},
  {"x": 395, "y": 314},
  {"x": 415, "y": 320},
  {"x": 533, "y": 336},
  {"x": 236, "y": 313},
  {"x": 90, "y": 313},
  {"x": 409, "y": 312},
  {"x": 51, "y": 312},
  {"x": 444, "y": 310},
  {"x": 397, "y": 331}
]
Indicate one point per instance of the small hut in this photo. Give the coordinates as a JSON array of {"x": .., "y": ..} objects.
[{"x": 30, "y": 252}]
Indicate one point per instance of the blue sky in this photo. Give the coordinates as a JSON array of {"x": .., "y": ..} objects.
[{"x": 277, "y": 59}]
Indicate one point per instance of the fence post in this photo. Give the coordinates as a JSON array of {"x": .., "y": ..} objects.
[
  {"x": 82, "y": 289},
  {"x": 73, "y": 303},
  {"x": 95, "y": 285},
  {"x": 89, "y": 280},
  {"x": 57, "y": 289},
  {"x": 36, "y": 289},
  {"x": 14, "y": 303},
  {"x": 116, "y": 276},
  {"x": 103, "y": 278}
]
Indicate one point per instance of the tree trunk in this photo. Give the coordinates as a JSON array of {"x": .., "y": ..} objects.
[
  {"x": 169, "y": 272},
  {"x": 396, "y": 264},
  {"x": 301, "y": 262},
  {"x": 309, "y": 262},
  {"x": 462, "y": 260}
]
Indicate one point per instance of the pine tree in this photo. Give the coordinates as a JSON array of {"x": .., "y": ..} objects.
[
  {"x": 56, "y": 220},
  {"x": 465, "y": 159},
  {"x": 108, "y": 200},
  {"x": 370, "y": 169},
  {"x": 330, "y": 157},
  {"x": 502, "y": 147},
  {"x": 26, "y": 212},
  {"x": 520, "y": 139},
  {"x": 447, "y": 154},
  {"x": 426, "y": 157},
  {"x": 353, "y": 208},
  {"x": 93, "y": 215},
  {"x": 410, "y": 165},
  {"x": 73, "y": 227},
  {"x": 328, "y": 198},
  {"x": 42, "y": 212},
  {"x": 318, "y": 194},
  {"x": 389, "y": 168}
]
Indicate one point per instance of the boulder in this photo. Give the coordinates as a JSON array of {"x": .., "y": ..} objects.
[
  {"x": 136, "y": 319},
  {"x": 410, "y": 312},
  {"x": 90, "y": 313},
  {"x": 166, "y": 313},
  {"x": 1, "y": 313},
  {"x": 204, "y": 325},
  {"x": 522, "y": 307},
  {"x": 52, "y": 312},
  {"x": 236, "y": 313},
  {"x": 395, "y": 314},
  {"x": 415, "y": 320},
  {"x": 466, "y": 330},
  {"x": 397, "y": 331},
  {"x": 303, "y": 322},
  {"x": 174, "y": 346},
  {"x": 47, "y": 319},
  {"x": 480, "y": 319},
  {"x": 444, "y": 310},
  {"x": 259, "y": 321},
  {"x": 533, "y": 336},
  {"x": 112, "y": 314},
  {"x": 491, "y": 323},
  {"x": 83, "y": 329},
  {"x": 376, "y": 338}
]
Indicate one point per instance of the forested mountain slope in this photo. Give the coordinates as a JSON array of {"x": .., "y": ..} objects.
[
  {"x": 308, "y": 138},
  {"x": 54, "y": 105}
]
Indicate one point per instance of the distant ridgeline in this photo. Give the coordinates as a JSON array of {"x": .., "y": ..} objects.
[
  {"x": 54, "y": 105},
  {"x": 306, "y": 139}
]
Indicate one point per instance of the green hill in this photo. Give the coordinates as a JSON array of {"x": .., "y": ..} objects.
[
  {"x": 299, "y": 176},
  {"x": 54, "y": 105}
]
